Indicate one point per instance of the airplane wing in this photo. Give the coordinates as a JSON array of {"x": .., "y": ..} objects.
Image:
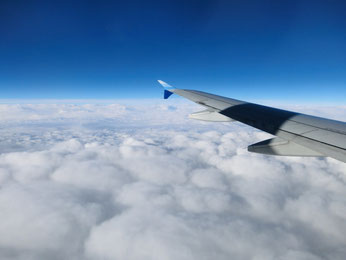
[{"x": 296, "y": 134}]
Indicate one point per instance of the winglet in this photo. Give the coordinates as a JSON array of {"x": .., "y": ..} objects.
[
  {"x": 168, "y": 89},
  {"x": 165, "y": 85}
]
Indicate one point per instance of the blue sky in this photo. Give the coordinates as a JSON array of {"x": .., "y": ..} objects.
[{"x": 275, "y": 50}]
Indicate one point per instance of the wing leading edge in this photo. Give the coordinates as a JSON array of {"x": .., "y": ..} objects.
[{"x": 297, "y": 134}]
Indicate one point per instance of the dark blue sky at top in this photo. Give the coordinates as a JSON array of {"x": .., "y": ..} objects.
[{"x": 285, "y": 50}]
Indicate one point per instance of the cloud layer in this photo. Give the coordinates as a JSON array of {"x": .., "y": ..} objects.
[{"x": 143, "y": 182}]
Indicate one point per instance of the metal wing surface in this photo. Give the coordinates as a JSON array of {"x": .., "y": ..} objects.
[{"x": 296, "y": 134}]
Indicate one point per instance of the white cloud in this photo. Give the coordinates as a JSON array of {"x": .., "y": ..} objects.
[{"x": 143, "y": 182}]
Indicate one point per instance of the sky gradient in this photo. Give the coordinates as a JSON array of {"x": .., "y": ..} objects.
[{"x": 254, "y": 50}]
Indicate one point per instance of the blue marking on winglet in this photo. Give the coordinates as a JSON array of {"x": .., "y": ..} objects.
[{"x": 167, "y": 94}]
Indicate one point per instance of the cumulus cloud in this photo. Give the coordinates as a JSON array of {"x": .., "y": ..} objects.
[{"x": 141, "y": 181}]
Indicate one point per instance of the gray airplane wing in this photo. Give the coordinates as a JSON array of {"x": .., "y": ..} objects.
[{"x": 296, "y": 134}]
